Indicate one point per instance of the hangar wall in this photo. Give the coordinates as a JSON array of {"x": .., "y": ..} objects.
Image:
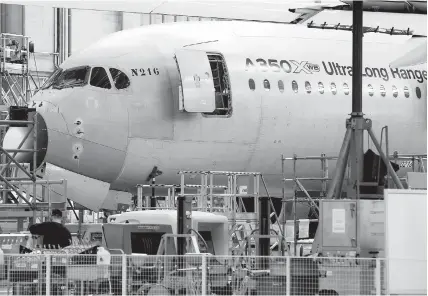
[{"x": 67, "y": 31}]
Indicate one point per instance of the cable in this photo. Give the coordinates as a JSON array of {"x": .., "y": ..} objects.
[{"x": 199, "y": 236}]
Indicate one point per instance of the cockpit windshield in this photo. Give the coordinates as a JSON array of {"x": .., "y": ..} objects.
[
  {"x": 48, "y": 83},
  {"x": 68, "y": 78}
]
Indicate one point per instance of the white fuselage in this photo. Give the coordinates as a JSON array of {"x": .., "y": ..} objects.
[{"x": 125, "y": 133}]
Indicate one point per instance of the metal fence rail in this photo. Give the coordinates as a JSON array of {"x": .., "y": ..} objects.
[{"x": 201, "y": 274}]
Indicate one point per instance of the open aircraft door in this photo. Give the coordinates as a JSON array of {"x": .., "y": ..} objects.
[{"x": 196, "y": 93}]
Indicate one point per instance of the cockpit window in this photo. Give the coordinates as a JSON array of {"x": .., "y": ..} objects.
[
  {"x": 71, "y": 78},
  {"x": 120, "y": 79},
  {"x": 99, "y": 78},
  {"x": 48, "y": 83}
]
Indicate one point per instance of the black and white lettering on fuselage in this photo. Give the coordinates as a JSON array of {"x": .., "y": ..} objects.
[
  {"x": 334, "y": 68},
  {"x": 285, "y": 66}
]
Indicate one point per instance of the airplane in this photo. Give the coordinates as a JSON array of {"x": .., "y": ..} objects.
[{"x": 222, "y": 96}]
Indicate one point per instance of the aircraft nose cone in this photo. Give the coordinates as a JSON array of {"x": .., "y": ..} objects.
[{"x": 22, "y": 137}]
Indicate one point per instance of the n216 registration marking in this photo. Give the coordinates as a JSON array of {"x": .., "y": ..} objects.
[{"x": 145, "y": 71}]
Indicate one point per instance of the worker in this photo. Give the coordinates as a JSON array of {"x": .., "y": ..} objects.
[{"x": 54, "y": 233}]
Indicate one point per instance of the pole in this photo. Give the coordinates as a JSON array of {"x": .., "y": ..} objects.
[
  {"x": 357, "y": 58},
  {"x": 181, "y": 242},
  {"x": 140, "y": 198},
  {"x": 288, "y": 276},
  {"x": 264, "y": 222},
  {"x": 295, "y": 206},
  {"x": 204, "y": 275},
  {"x": 153, "y": 199},
  {"x": 341, "y": 165},
  {"x": 356, "y": 153}
]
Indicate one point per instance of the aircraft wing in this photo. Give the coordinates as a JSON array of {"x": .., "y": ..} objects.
[{"x": 251, "y": 10}]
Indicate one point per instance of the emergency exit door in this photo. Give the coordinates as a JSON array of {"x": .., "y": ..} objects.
[{"x": 197, "y": 93}]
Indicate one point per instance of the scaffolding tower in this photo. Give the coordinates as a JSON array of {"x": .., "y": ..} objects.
[
  {"x": 19, "y": 183},
  {"x": 17, "y": 81},
  {"x": 211, "y": 195},
  {"x": 417, "y": 163},
  {"x": 14, "y": 69},
  {"x": 23, "y": 195}
]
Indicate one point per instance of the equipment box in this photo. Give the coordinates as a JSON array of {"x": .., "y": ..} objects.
[{"x": 271, "y": 285}]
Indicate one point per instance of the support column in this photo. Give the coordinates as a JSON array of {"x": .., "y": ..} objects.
[
  {"x": 356, "y": 153},
  {"x": 62, "y": 34},
  {"x": 153, "y": 199},
  {"x": 264, "y": 229},
  {"x": 184, "y": 221}
]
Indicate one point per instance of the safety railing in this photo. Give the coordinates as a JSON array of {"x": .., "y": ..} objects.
[{"x": 194, "y": 274}]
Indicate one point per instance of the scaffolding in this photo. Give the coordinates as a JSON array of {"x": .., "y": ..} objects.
[
  {"x": 18, "y": 82},
  {"x": 417, "y": 162},
  {"x": 209, "y": 196},
  {"x": 14, "y": 69},
  {"x": 19, "y": 182},
  {"x": 230, "y": 203}
]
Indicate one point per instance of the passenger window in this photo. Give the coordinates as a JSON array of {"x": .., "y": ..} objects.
[
  {"x": 308, "y": 87},
  {"x": 394, "y": 91},
  {"x": 266, "y": 84},
  {"x": 370, "y": 89},
  {"x": 281, "y": 85},
  {"x": 99, "y": 78},
  {"x": 406, "y": 92},
  {"x": 346, "y": 89},
  {"x": 252, "y": 84},
  {"x": 333, "y": 88},
  {"x": 321, "y": 87},
  {"x": 120, "y": 80},
  {"x": 382, "y": 91},
  {"x": 418, "y": 92},
  {"x": 295, "y": 86}
]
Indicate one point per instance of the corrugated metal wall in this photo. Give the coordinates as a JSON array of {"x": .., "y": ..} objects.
[{"x": 86, "y": 27}]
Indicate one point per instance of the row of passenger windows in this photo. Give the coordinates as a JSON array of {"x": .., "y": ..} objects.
[
  {"x": 333, "y": 88},
  {"x": 80, "y": 76}
]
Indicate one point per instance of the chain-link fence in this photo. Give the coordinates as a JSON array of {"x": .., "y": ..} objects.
[{"x": 107, "y": 274}]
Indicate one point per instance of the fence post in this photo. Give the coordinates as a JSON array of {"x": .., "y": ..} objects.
[
  {"x": 204, "y": 275},
  {"x": 124, "y": 274},
  {"x": 378, "y": 279},
  {"x": 288, "y": 277},
  {"x": 48, "y": 273}
]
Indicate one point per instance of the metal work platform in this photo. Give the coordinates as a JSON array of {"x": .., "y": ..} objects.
[
  {"x": 212, "y": 195},
  {"x": 414, "y": 162},
  {"x": 23, "y": 194},
  {"x": 18, "y": 82},
  {"x": 14, "y": 70}
]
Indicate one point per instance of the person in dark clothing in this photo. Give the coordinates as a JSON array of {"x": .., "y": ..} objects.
[{"x": 54, "y": 233}]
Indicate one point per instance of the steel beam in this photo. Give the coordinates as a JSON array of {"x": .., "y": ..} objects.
[
  {"x": 264, "y": 226},
  {"x": 357, "y": 58},
  {"x": 341, "y": 164}
]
